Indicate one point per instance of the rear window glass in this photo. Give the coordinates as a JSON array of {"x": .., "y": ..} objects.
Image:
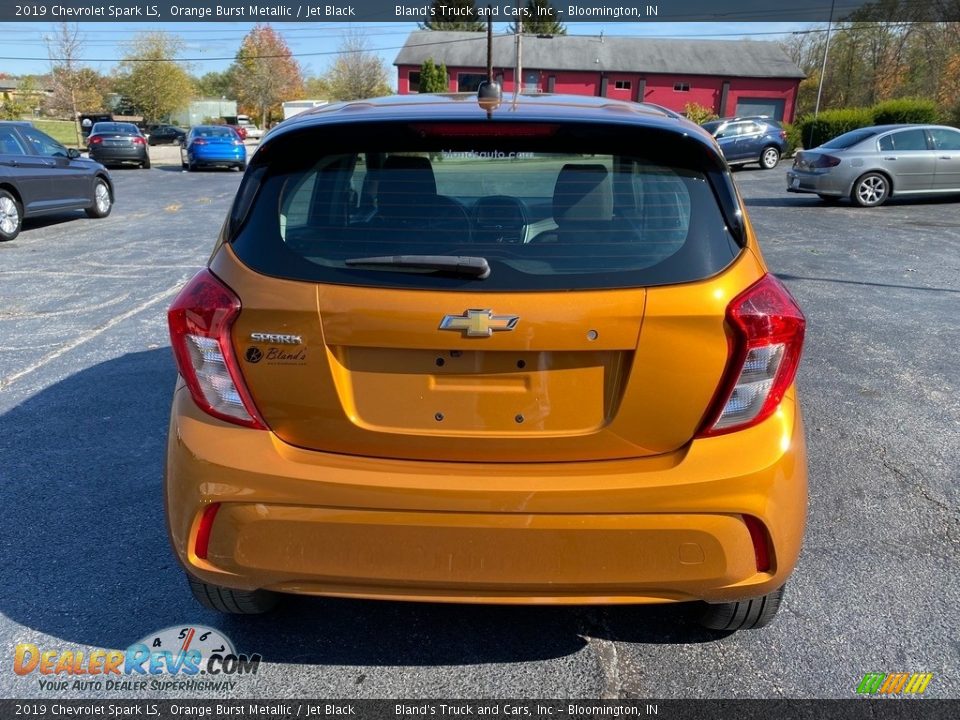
[
  {"x": 848, "y": 139},
  {"x": 118, "y": 128},
  {"x": 214, "y": 132},
  {"x": 542, "y": 216}
]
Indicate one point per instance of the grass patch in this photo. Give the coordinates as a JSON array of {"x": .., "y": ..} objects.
[{"x": 60, "y": 130}]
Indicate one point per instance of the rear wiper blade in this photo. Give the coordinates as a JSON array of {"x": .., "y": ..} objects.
[{"x": 476, "y": 267}]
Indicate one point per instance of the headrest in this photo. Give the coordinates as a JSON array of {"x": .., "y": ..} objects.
[
  {"x": 582, "y": 193},
  {"x": 407, "y": 187}
]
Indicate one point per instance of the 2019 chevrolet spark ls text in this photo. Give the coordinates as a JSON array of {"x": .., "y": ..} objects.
[{"x": 525, "y": 355}]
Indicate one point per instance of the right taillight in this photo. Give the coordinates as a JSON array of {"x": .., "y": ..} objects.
[
  {"x": 767, "y": 329},
  {"x": 200, "y": 320},
  {"x": 825, "y": 161}
]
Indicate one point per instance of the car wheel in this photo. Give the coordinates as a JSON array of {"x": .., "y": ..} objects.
[
  {"x": 769, "y": 158},
  {"x": 871, "y": 190},
  {"x": 11, "y": 216},
  {"x": 743, "y": 615},
  {"x": 242, "y": 166},
  {"x": 228, "y": 600},
  {"x": 102, "y": 202},
  {"x": 829, "y": 199},
  {"x": 145, "y": 164}
]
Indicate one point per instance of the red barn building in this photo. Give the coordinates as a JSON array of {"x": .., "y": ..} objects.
[{"x": 743, "y": 77}]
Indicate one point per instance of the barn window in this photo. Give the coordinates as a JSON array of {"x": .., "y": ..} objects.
[
  {"x": 623, "y": 84},
  {"x": 681, "y": 87}
]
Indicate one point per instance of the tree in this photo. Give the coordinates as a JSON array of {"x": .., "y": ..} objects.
[
  {"x": 20, "y": 103},
  {"x": 454, "y": 15},
  {"x": 541, "y": 19},
  {"x": 266, "y": 73},
  {"x": 433, "y": 79},
  {"x": 316, "y": 88},
  {"x": 151, "y": 78},
  {"x": 357, "y": 73},
  {"x": 216, "y": 85},
  {"x": 75, "y": 88}
]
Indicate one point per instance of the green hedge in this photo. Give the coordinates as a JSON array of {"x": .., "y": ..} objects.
[{"x": 831, "y": 123}]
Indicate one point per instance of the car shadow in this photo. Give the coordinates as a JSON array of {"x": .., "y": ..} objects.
[
  {"x": 50, "y": 220},
  {"x": 86, "y": 557}
]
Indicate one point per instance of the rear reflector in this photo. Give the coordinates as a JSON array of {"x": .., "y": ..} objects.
[
  {"x": 203, "y": 531},
  {"x": 761, "y": 544},
  {"x": 767, "y": 329},
  {"x": 200, "y": 320}
]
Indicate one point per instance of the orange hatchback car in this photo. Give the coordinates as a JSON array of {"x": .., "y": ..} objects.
[{"x": 531, "y": 354}]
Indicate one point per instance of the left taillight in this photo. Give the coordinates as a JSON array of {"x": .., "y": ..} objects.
[
  {"x": 767, "y": 329},
  {"x": 200, "y": 320},
  {"x": 137, "y": 140}
]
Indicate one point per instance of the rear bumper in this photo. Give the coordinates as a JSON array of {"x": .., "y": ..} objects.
[
  {"x": 660, "y": 529},
  {"x": 821, "y": 183},
  {"x": 225, "y": 157},
  {"x": 111, "y": 155}
]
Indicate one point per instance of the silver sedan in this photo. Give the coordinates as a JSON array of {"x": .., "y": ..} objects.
[{"x": 872, "y": 164}]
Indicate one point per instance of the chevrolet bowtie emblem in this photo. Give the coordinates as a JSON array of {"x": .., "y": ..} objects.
[{"x": 478, "y": 323}]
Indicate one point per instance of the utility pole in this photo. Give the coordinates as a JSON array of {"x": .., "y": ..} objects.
[
  {"x": 823, "y": 69},
  {"x": 518, "y": 71}
]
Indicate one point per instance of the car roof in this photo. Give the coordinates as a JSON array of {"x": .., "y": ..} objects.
[
  {"x": 543, "y": 107},
  {"x": 17, "y": 123}
]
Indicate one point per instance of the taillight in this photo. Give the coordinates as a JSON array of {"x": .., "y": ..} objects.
[
  {"x": 200, "y": 320},
  {"x": 137, "y": 140},
  {"x": 198, "y": 141},
  {"x": 825, "y": 161},
  {"x": 94, "y": 140},
  {"x": 768, "y": 327}
]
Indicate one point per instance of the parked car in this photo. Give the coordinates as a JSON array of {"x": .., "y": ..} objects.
[
  {"x": 116, "y": 143},
  {"x": 250, "y": 127},
  {"x": 239, "y": 130},
  {"x": 873, "y": 164},
  {"x": 753, "y": 139},
  {"x": 39, "y": 176},
  {"x": 530, "y": 357},
  {"x": 165, "y": 135},
  {"x": 212, "y": 146}
]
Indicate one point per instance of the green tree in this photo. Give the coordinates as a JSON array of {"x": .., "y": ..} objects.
[
  {"x": 150, "y": 77},
  {"x": 216, "y": 85},
  {"x": 357, "y": 72},
  {"x": 454, "y": 15},
  {"x": 433, "y": 79},
  {"x": 541, "y": 19},
  {"x": 266, "y": 73},
  {"x": 17, "y": 104},
  {"x": 316, "y": 87}
]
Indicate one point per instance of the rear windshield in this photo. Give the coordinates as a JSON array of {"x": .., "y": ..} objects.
[
  {"x": 118, "y": 128},
  {"x": 546, "y": 206},
  {"x": 849, "y": 139},
  {"x": 214, "y": 132}
]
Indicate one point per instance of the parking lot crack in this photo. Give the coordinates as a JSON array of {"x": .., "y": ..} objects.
[{"x": 605, "y": 650}]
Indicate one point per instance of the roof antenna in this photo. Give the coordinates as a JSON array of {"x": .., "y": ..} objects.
[{"x": 489, "y": 94}]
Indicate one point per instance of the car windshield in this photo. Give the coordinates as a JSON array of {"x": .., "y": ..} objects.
[
  {"x": 213, "y": 132},
  {"x": 849, "y": 139},
  {"x": 712, "y": 126},
  {"x": 115, "y": 128},
  {"x": 542, "y": 216}
]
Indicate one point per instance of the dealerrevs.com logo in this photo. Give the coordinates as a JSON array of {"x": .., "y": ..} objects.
[{"x": 180, "y": 658}]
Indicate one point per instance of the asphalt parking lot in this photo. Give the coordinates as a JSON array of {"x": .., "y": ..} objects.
[{"x": 85, "y": 381}]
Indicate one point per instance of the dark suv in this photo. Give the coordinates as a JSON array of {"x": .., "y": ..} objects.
[{"x": 749, "y": 139}]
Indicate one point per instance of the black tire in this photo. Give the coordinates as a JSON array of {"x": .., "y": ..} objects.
[
  {"x": 742, "y": 615},
  {"x": 151, "y": 142},
  {"x": 233, "y": 602},
  {"x": 871, "y": 190},
  {"x": 191, "y": 167},
  {"x": 829, "y": 199},
  {"x": 11, "y": 216},
  {"x": 102, "y": 203},
  {"x": 242, "y": 166},
  {"x": 145, "y": 164},
  {"x": 183, "y": 165},
  {"x": 769, "y": 157}
]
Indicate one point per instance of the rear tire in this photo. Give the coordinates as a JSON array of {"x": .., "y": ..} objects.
[
  {"x": 871, "y": 190},
  {"x": 242, "y": 166},
  {"x": 11, "y": 216},
  {"x": 233, "y": 602},
  {"x": 769, "y": 158},
  {"x": 743, "y": 615},
  {"x": 145, "y": 164}
]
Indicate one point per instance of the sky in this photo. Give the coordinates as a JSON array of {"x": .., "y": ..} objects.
[{"x": 211, "y": 46}]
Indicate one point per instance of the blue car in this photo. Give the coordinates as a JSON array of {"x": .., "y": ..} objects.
[
  {"x": 754, "y": 139},
  {"x": 212, "y": 145}
]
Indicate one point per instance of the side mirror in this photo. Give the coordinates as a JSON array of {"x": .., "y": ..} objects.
[{"x": 73, "y": 153}]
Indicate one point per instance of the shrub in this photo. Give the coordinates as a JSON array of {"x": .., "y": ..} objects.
[
  {"x": 831, "y": 123},
  {"x": 699, "y": 113},
  {"x": 794, "y": 141},
  {"x": 905, "y": 110}
]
